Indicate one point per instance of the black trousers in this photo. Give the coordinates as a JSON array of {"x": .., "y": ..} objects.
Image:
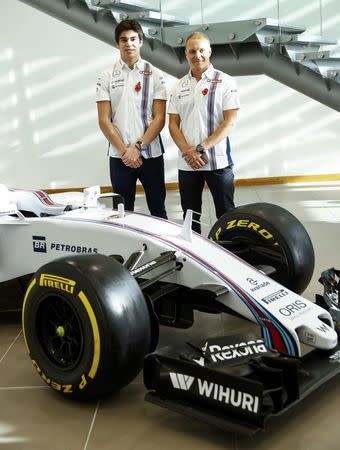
[
  {"x": 150, "y": 174},
  {"x": 220, "y": 183}
]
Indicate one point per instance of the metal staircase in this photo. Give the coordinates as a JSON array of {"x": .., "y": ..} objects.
[{"x": 248, "y": 47}]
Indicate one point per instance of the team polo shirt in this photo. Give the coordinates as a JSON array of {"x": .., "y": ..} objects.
[
  {"x": 131, "y": 93},
  {"x": 200, "y": 105}
]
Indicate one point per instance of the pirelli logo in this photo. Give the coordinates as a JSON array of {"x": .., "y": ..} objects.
[{"x": 55, "y": 282}]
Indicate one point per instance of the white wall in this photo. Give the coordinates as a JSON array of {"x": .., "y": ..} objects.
[{"x": 49, "y": 136}]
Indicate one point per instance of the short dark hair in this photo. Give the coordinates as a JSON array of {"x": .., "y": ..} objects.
[
  {"x": 197, "y": 34},
  {"x": 126, "y": 25}
]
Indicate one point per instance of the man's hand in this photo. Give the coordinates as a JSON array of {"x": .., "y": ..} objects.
[
  {"x": 193, "y": 158},
  {"x": 132, "y": 158}
]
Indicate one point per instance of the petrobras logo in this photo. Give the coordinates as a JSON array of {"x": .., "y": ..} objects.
[
  {"x": 39, "y": 244},
  {"x": 54, "y": 281},
  {"x": 274, "y": 296},
  {"x": 223, "y": 394},
  {"x": 217, "y": 353},
  {"x": 62, "y": 247}
]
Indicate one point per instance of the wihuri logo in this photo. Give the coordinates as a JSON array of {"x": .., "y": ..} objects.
[{"x": 218, "y": 392}]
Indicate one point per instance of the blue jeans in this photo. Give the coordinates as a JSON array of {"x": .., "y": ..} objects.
[
  {"x": 150, "y": 174},
  {"x": 220, "y": 183}
]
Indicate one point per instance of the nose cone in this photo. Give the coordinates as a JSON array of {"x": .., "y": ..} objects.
[{"x": 318, "y": 334}]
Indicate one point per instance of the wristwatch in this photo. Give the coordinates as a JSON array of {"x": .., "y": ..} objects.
[
  {"x": 142, "y": 147},
  {"x": 200, "y": 149}
]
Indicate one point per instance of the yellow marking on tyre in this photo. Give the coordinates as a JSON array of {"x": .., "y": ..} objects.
[
  {"x": 95, "y": 330},
  {"x": 65, "y": 388},
  {"x": 56, "y": 282},
  {"x": 31, "y": 285}
]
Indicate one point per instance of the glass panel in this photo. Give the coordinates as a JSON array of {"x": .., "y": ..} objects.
[
  {"x": 231, "y": 10},
  {"x": 304, "y": 14},
  {"x": 185, "y": 10},
  {"x": 320, "y": 19},
  {"x": 330, "y": 20},
  {"x": 206, "y": 11}
]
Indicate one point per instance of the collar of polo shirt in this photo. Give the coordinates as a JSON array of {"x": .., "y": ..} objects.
[
  {"x": 206, "y": 74},
  {"x": 138, "y": 64}
]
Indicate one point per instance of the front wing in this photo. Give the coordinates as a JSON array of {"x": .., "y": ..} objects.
[{"x": 234, "y": 382}]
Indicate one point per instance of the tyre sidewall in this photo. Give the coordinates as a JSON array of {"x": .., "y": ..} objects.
[
  {"x": 77, "y": 379},
  {"x": 276, "y": 226}
]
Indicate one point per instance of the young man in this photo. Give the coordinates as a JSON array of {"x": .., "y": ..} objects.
[
  {"x": 203, "y": 109},
  {"x": 131, "y": 103}
]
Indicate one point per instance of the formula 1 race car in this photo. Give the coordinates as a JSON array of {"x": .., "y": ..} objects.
[{"x": 99, "y": 281}]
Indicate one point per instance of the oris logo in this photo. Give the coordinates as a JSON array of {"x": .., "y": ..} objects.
[{"x": 292, "y": 308}]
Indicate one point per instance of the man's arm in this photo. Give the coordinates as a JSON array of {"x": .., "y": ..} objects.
[
  {"x": 105, "y": 124},
  {"x": 223, "y": 130},
  {"x": 192, "y": 157},
  {"x": 158, "y": 122},
  {"x": 132, "y": 158}
]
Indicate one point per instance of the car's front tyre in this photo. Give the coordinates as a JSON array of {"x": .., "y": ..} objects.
[{"x": 86, "y": 325}]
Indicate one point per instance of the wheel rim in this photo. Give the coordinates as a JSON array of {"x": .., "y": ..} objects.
[{"x": 60, "y": 332}]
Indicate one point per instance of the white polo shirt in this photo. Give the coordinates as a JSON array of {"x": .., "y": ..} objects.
[
  {"x": 131, "y": 93},
  {"x": 200, "y": 106}
]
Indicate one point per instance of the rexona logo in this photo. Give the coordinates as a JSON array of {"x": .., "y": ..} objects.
[
  {"x": 274, "y": 296},
  {"x": 39, "y": 244},
  {"x": 214, "y": 391},
  {"x": 227, "y": 352},
  {"x": 60, "y": 283}
]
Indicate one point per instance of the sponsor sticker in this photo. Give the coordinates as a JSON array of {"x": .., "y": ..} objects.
[
  {"x": 256, "y": 284},
  {"x": 39, "y": 244},
  {"x": 294, "y": 309},
  {"x": 309, "y": 337},
  {"x": 274, "y": 296},
  {"x": 214, "y": 391},
  {"x": 216, "y": 353},
  {"x": 61, "y": 247},
  {"x": 146, "y": 73}
]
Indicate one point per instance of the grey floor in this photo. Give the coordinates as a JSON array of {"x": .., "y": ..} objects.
[{"x": 33, "y": 417}]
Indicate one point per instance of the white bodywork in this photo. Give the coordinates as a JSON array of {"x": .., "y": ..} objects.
[{"x": 286, "y": 319}]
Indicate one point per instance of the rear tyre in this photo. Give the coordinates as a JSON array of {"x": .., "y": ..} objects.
[
  {"x": 86, "y": 325},
  {"x": 266, "y": 234}
]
